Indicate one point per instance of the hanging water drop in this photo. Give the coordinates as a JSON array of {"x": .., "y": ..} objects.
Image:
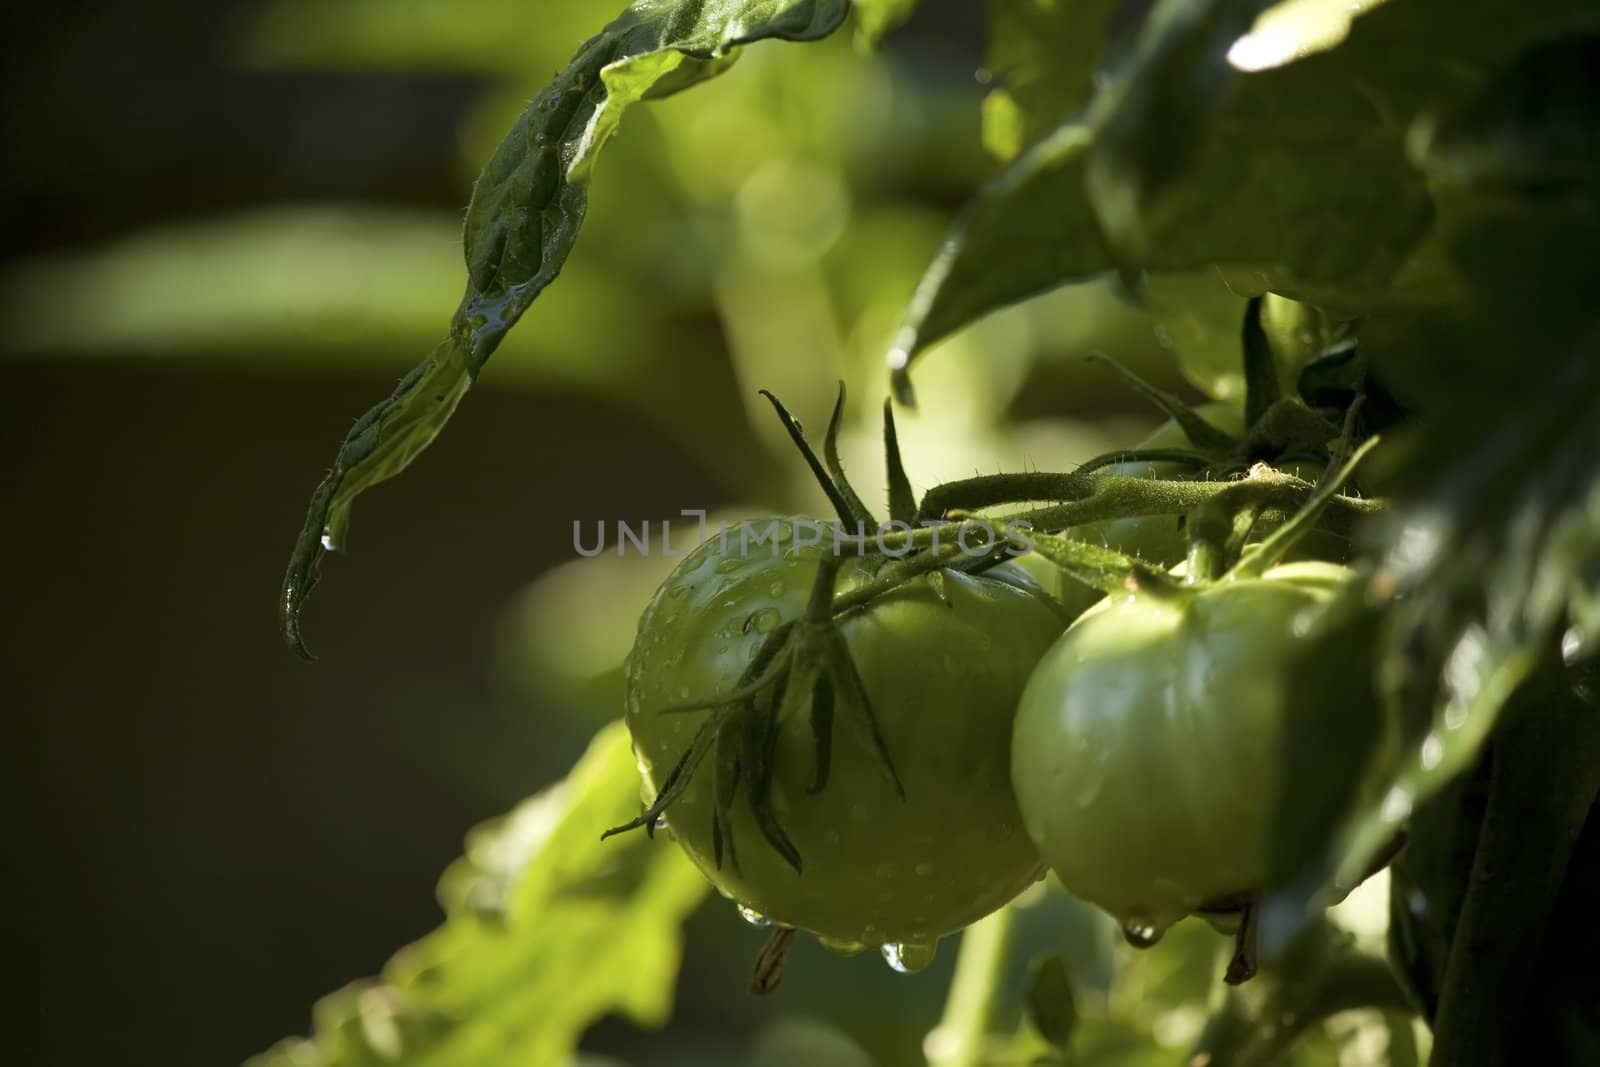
[
  {"x": 908, "y": 958},
  {"x": 753, "y": 917},
  {"x": 659, "y": 825},
  {"x": 1140, "y": 934}
]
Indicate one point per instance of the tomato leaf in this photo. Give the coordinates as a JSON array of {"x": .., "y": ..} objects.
[
  {"x": 874, "y": 18},
  {"x": 1294, "y": 178},
  {"x": 1492, "y": 565},
  {"x": 1049, "y": 1000},
  {"x": 524, "y": 218},
  {"x": 1042, "y": 55},
  {"x": 547, "y": 930}
]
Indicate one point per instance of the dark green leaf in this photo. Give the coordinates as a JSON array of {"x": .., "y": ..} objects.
[
  {"x": 1428, "y": 883},
  {"x": 1493, "y": 554},
  {"x": 1156, "y": 112},
  {"x": 1535, "y": 128},
  {"x": 1035, "y": 218},
  {"x": 1042, "y": 55},
  {"x": 1049, "y": 999},
  {"x": 548, "y": 929},
  {"x": 524, "y": 218},
  {"x": 1294, "y": 178},
  {"x": 1543, "y": 783}
]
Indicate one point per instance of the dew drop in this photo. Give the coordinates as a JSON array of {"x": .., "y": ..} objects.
[
  {"x": 908, "y": 958},
  {"x": 753, "y": 917},
  {"x": 1140, "y": 934},
  {"x": 678, "y": 592},
  {"x": 729, "y": 565},
  {"x": 659, "y": 825},
  {"x": 885, "y": 871},
  {"x": 328, "y": 543},
  {"x": 776, "y": 589},
  {"x": 924, "y": 869},
  {"x": 766, "y": 620},
  {"x": 683, "y": 692}
]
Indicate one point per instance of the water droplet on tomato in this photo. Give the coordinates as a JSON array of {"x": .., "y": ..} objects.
[
  {"x": 908, "y": 958},
  {"x": 766, "y": 620},
  {"x": 1140, "y": 934},
  {"x": 753, "y": 917},
  {"x": 729, "y": 565},
  {"x": 678, "y": 592},
  {"x": 924, "y": 869},
  {"x": 776, "y": 589}
]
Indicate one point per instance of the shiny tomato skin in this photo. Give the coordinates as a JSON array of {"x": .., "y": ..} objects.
[
  {"x": 943, "y": 659},
  {"x": 1145, "y": 756}
]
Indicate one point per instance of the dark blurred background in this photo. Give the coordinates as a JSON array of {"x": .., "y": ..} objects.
[{"x": 228, "y": 228}]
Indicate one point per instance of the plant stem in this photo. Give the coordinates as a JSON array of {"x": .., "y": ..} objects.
[{"x": 969, "y": 1012}]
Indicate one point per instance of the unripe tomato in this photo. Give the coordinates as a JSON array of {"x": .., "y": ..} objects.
[
  {"x": 943, "y": 659},
  {"x": 1146, "y": 751}
]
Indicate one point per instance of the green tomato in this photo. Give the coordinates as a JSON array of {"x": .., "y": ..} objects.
[
  {"x": 943, "y": 660},
  {"x": 1146, "y": 751}
]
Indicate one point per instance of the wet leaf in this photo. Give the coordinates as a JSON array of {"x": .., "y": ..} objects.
[{"x": 524, "y": 219}]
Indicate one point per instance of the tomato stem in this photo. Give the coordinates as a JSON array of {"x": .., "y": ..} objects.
[{"x": 972, "y": 1007}]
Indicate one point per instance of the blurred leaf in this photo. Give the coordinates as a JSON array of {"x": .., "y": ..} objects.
[
  {"x": 1042, "y": 55},
  {"x": 874, "y": 18},
  {"x": 1156, "y": 111},
  {"x": 1198, "y": 321},
  {"x": 1544, "y": 780},
  {"x": 1296, "y": 175},
  {"x": 1050, "y": 1003},
  {"x": 547, "y": 930},
  {"x": 1490, "y": 142},
  {"x": 1115, "y": 1043},
  {"x": 490, "y": 36},
  {"x": 312, "y": 287},
  {"x": 1035, "y": 219},
  {"x": 1277, "y": 1017},
  {"x": 523, "y": 220},
  {"x": 1428, "y": 884}
]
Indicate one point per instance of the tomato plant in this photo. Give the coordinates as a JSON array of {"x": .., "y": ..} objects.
[{"x": 1401, "y": 198}]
